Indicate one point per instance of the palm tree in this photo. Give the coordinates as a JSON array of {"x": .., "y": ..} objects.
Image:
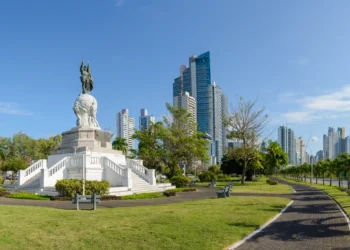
[{"x": 120, "y": 144}]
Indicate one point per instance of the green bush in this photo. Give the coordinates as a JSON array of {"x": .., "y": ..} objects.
[
  {"x": 348, "y": 191},
  {"x": 169, "y": 193},
  {"x": 70, "y": 187},
  {"x": 2, "y": 189},
  {"x": 343, "y": 189},
  {"x": 224, "y": 177},
  {"x": 1, "y": 180},
  {"x": 110, "y": 197},
  {"x": 180, "y": 181},
  {"x": 272, "y": 181},
  {"x": 4, "y": 193},
  {"x": 29, "y": 196},
  {"x": 215, "y": 169},
  {"x": 207, "y": 176}
]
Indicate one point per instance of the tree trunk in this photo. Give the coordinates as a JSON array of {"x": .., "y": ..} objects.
[
  {"x": 323, "y": 179},
  {"x": 316, "y": 179},
  {"x": 330, "y": 180},
  {"x": 339, "y": 181},
  {"x": 243, "y": 173}
]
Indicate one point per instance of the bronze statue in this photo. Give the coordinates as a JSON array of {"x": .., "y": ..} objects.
[{"x": 86, "y": 78}]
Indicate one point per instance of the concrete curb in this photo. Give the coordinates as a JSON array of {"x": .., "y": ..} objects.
[{"x": 237, "y": 244}]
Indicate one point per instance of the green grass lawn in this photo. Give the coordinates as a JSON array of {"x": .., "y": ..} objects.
[
  {"x": 205, "y": 224},
  {"x": 259, "y": 186},
  {"x": 340, "y": 196}
]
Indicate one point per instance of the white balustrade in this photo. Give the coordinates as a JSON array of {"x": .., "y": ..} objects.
[
  {"x": 115, "y": 167},
  {"x": 137, "y": 166},
  {"x": 75, "y": 161},
  {"x": 58, "y": 166},
  {"x": 31, "y": 171},
  {"x": 95, "y": 160}
]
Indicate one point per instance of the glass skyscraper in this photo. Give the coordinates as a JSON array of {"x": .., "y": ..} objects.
[{"x": 196, "y": 80}]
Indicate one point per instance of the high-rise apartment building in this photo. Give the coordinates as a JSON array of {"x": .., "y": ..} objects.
[
  {"x": 196, "y": 80},
  {"x": 145, "y": 120},
  {"x": 319, "y": 155},
  {"x": 347, "y": 145},
  {"x": 184, "y": 100},
  {"x": 224, "y": 102},
  {"x": 301, "y": 152},
  {"x": 334, "y": 143},
  {"x": 286, "y": 139},
  {"x": 126, "y": 127}
]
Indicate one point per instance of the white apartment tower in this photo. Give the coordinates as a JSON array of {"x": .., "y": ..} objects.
[
  {"x": 126, "y": 127},
  {"x": 145, "y": 120},
  {"x": 187, "y": 102}
]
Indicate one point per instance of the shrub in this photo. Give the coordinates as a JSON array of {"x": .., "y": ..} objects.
[
  {"x": 29, "y": 196},
  {"x": 272, "y": 181},
  {"x": 70, "y": 187},
  {"x": 180, "y": 181},
  {"x": 169, "y": 193},
  {"x": 182, "y": 190},
  {"x": 343, "y": 189},
  {"x": 207, "y": 176},
  {"x": 4, "y": 193},
  {"x": 61, "y": 198},
  {"x": 110, "y": 197},
  {"x": 224, "y": 177},
  {"x": 2, "y": 189},
  {"x": 1, "y": 180},
  {"x": 215, "y": 169},
  {"x": 348, "y": 191}
]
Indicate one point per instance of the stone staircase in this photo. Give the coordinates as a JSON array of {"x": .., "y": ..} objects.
[{"x": 139, "y": 185}]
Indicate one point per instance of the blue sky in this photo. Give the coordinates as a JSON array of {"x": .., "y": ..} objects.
[{"x": 294, "y": 56}]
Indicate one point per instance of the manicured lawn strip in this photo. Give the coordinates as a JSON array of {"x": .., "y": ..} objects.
[
  {"x": 340, "y": 196},
  {"x": 204, "y": 224},
  {"x": 142, "y": 196},
  {"x": 28, "y": 196},
  {"x": 259, "y": 186}
]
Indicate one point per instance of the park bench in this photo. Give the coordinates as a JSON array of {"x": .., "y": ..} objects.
[
  {"x": 92, "y": 199},
  {"x": 224, "y": 192},
  {"x": 230, "y": 184},
  {"x": 212, "y": 184}
]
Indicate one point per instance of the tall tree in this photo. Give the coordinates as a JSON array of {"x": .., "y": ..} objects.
[
  {"x": 151, "y": 147},
  {"x": 246, "y": 124},
  {"x": 275, "y": 158},
  {"x": 182, "y": 142},
  {"x": 120, "y": 144}
]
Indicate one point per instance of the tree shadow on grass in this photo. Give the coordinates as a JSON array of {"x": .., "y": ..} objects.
[{"x": 241, "y": 224}]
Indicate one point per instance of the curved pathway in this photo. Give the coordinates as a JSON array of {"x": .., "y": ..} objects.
[
  {"x": 313, "y": 221},
  {"x": 201, "y": 193}
]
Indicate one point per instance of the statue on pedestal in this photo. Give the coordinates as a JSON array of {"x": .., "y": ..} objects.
[
  {"x": 85, "y": 106},
  {"x": 86, "y": 78}
]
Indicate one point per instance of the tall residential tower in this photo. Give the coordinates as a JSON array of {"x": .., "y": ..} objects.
[{"x": 126, "y": 127}]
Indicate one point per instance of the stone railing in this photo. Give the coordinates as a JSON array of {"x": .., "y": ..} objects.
[
  {"x": 75, "y": 161},
  {"x": 58, "y": 166},
  {"x": 147, "y": 174},
  {"x": 32, "y": 171},
  {"x": 122, "y": 174}
]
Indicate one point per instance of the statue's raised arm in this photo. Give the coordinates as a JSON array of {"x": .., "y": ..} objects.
[{"x": 86, "y": 78}]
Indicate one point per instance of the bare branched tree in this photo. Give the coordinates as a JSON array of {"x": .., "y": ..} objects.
[{"x": 246, "y": 124}]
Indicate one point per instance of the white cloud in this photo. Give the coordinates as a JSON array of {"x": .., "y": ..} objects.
[
  {"x": 314, "y": 138},
  {"x": 327, "y": 106},
  {"x": 119, "y": 3},
  {"x": 11, "y": 108}
]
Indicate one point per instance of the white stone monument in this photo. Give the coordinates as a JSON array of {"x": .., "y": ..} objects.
[{"x": 86, "y": 153}]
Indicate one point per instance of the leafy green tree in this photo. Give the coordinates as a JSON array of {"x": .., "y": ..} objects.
[
  {"x": 14, "y": 164},
  {"x": 275, "y": 158},
  {"x": 151, "y": 147},
  {"x": 120, "y": 144},
  {"x": 341, "y": 165},
  {"x": 246, "y": 124},
  {"x": 215, "y": 169},
  {"x": 183, "y": 144}
]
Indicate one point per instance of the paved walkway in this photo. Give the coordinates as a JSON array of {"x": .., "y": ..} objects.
[
  {"x": 313, "y": 221},
  {"x": 202, "y": 193}
]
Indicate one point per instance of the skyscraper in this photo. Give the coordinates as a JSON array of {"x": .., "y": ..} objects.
[
  {"x": 286, "y": 139},
  {"x": 319, "y": 155},
  {"x": 300, "y": 148},
  {"x": 145, "y": 120},
  {"x": 196, "y": 80},
  {"x": 347, "y": 145},
  {"x": 126, "y": 127},
  {"x": 187, "y": 102},
  {"x": 224, "y": 102}
]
